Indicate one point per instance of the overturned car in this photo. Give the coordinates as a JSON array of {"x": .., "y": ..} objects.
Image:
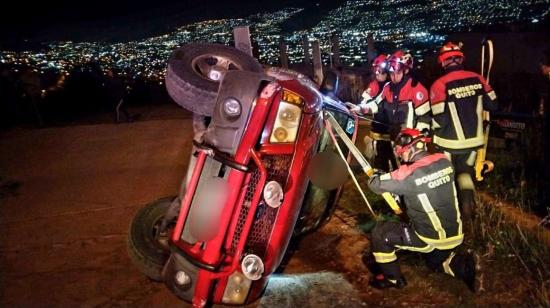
[{"x": 254, "y": 183}]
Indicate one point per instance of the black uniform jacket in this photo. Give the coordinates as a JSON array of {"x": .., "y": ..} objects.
[{"x": 428, "y": 190}]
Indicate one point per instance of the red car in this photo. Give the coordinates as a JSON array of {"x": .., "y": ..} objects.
[{"x": 250, "y": 191}]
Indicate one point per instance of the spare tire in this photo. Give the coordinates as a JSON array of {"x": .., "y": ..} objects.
[{"x": 189, "y": 78}]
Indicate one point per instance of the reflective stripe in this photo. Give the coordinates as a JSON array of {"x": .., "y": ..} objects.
[
  {"x": 425, "y": 249},
  {"x": 438, "y": 108},
  {"x": 427, "y": 206},
  {"x": 435, "y": 124},
  {"x": 410, "y": 114},
  {"x": 447, "y": 243},
  {"x": 385, "y": 177},
  {"x": 422, "y": 109},
  {"x": 372, "y": 106},
  {"x": 384, "y": 257},
  {"x": 379, "y": 98},
  {"x": 447, "y": 265},
  {"x": 449, "y": 156},
  {"x": 378, "y": 136},
  {"x": 492, "y": 95},
  {"x": 465, "y": 182},
  {"x": 421, "y": 125},
  {"x": 471, "y": 159},
  {"x": 456, "y": 121},
  {"x": 366, "y": 95},
  {"x": 479, "y": 112},
  {"x": 458, "y": 218},
  {"x": 459, "y": 144}
]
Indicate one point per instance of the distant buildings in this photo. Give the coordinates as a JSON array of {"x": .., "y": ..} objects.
[{"x": 418, "y": 25}]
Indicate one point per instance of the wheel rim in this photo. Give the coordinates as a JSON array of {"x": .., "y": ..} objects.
[
  {"x": 205, "y": 64},
  {"x": 160, "y": 237}
]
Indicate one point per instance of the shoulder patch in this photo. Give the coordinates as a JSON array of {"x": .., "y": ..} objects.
[{"x": 419, "y": 96}]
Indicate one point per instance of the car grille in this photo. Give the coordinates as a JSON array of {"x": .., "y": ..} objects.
[{"x": 277, "y": 170}]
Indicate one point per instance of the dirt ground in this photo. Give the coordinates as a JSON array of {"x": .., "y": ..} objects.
[{"x": 69, "y": 193}]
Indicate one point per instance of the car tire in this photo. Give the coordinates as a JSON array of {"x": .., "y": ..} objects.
[
  {"x": 187, "y": 82},
  {"x": 148, "y": 253}
]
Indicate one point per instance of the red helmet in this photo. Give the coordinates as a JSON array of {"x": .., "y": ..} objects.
[
  {"x": 399, "y": 61},
  {"x": 448, "y": 51},
  {"x": 380, "y": 64},
  {"x": 410, "y": 139}
]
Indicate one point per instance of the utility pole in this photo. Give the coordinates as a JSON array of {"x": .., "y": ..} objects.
[
  {"x": 335, "y": 50},
  {"x": 283, "y": 53},
  {"x": 317, "y": 63},
  {"x": 305, "y": 42},
  {"x": 371, "y": 52}
]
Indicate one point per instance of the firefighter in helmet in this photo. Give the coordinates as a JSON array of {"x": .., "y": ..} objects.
[
  {"x": 426, "y": 184},
  {"x": 458, "y": 100},
  {"x": 378, "y": 141},
  {"x": 403, "y": 100}
]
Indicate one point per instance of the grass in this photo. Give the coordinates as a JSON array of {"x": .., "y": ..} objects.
[{"x": 505, "y": 243}]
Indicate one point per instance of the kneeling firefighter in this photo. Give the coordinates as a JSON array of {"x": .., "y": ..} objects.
[{"x": 426, "y": 184}]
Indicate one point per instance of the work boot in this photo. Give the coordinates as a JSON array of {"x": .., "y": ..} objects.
[
  {"x": 381, "y": 282},
  {"x": 473, "y": 273}
]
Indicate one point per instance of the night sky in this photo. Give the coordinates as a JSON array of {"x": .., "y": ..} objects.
[{"x": 121, "y": 20}]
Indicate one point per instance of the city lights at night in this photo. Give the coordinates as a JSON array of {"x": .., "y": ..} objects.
[{"x": 420, "y": 27}]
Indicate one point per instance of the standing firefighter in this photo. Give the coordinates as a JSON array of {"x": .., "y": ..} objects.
[
  {"x": 426, "y": 184},
  {"x": 458, "y": 100},
  {"x": 378, "y": 141},
  {"x": 403, "y": 100}
]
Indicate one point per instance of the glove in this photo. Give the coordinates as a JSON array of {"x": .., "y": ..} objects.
[
  {"x": 353, "y": 108},
  {"x": 373, "y": 172}
]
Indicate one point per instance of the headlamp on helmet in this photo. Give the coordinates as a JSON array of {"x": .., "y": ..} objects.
[
  {"x": 400, "y": 60},
  {"x": 410, "y": 140},
  {"x": 380, "y": 64}
]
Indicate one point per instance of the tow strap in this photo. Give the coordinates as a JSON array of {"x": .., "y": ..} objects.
[
  {"x": 330, "y": 123},
  {"x": 483, "y": 166}
]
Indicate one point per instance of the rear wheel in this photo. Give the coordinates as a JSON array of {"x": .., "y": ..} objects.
[
  {"x": 147, "y": 245},
  {"x": 195, "y": 70}
]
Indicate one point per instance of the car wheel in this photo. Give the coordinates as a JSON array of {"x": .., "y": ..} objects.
[
  {"x": 147, "y": 245},
  {"x": 195, "y": 70}
]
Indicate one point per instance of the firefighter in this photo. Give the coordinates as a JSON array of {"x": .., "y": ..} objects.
[
  {"x": 426, "y": 184},
  {"x": 378, "y": 142},
  {"x": 403, "y": 100},
  {"x": 458, "y": 100}
]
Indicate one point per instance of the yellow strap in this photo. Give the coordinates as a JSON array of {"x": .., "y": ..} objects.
[{"x": 392, "y": 203}]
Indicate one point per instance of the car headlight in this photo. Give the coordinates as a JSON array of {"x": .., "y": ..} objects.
[{"x": 286, "y": 125}]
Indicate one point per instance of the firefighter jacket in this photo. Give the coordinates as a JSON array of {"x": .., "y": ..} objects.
[
  {"x": 371, "y": 100},
  {"x": 458, "y": 100},
  {"x": 428, "y": 190},
  {"x": 405, "y": 104}
]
